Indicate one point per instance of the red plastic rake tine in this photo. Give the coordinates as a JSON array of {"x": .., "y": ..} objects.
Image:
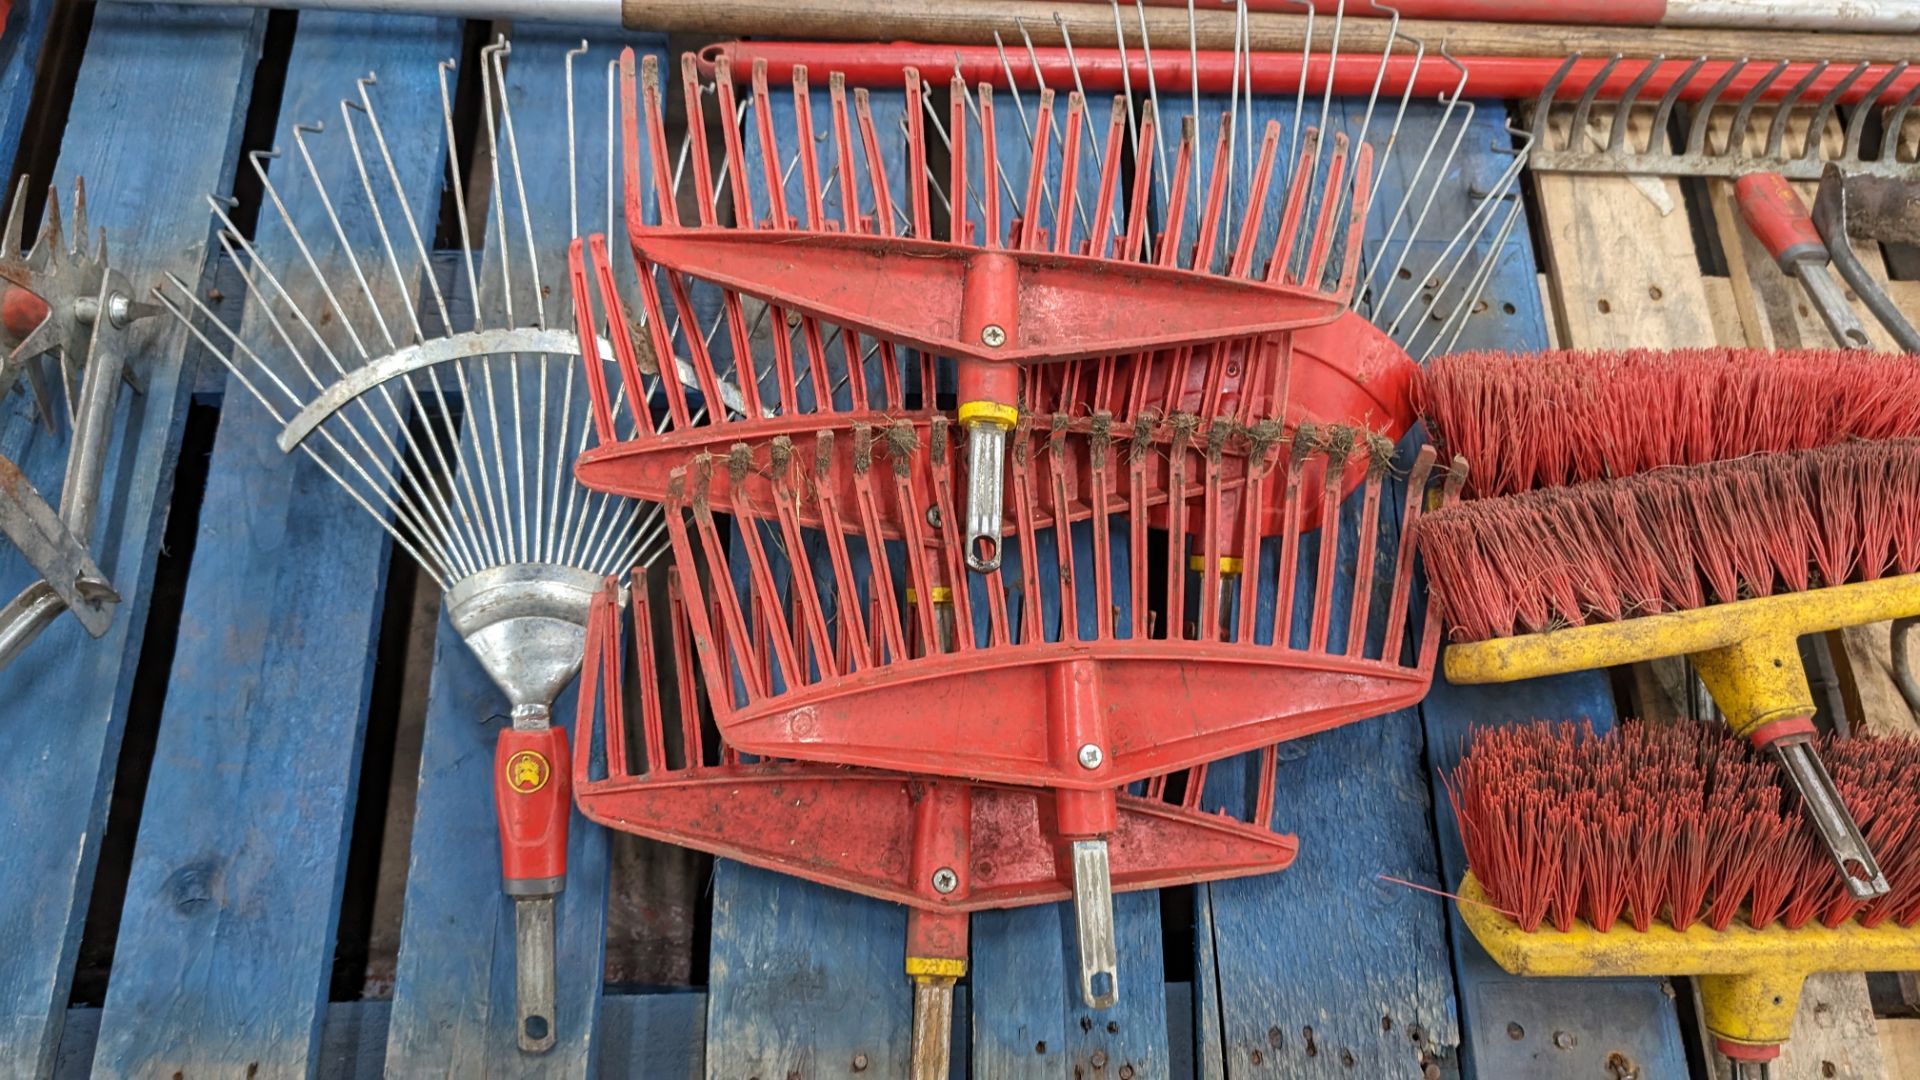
[
  {"x": 1329, "y": 210},
  {"x": 1183, "y": 425},
  {"x": 1196, "y": 786},
  {"x": 769, "y": 150},
  {"x": 1301, "y": 447},
  {"x": 1216, "y": 200},
  {"x": 1430, "y": 632},
  {"x": 957, "y": 163},
  {"x": 620, "y": 333},
  {"x": 989, "y": 165},
  {"x": 1062, "y": 468},
  {"x": 923, "y": 568},
  {"x": 1177, "y": 212},
  {"x": 1366, "y": 553},
  {"x": 1403, "y": 563},
  {"x": 1338, "y": 449},
  {"x": 1211, "y": 550},
  {"x": 883, "y": 211},
  {"x": 1032, "y": 618},
  {"x": 629, "y": 138},
  {"x": 1142, "y": 186},
  {"x": 1139, "y": 454},
  {"x": 589, "y": 343},
  {"x": 732, "y": 620},
  {"x": 696, "y": 753},
  {"x": 1030, "y": 233},
  {"x": 656, "y": 313},
  {"x": 1263, "y": 798},
  {"x": 730, "y": 140},
  {"x": 697, "y": 138},
  {"x": 1069, "y": 174},
  {"x": 596, "y": 660},
  {"x": 1256, "y": 201},
  {"x": 711, "y": 651},
  {"x": 918, "y": 183},
  {"x": 704, "y": 372},
  {"x": 769, "y": 613},
  {"x": 658, "y": 162},
  {"x": 803, "y": 136},
  {"x": 1357, "y": 221},
  {"x": 850, "y": 217},
  {"x": 832, "y": 525},
  {"x": 653, "y": 730},
  {"x": 872, "y": 526},
  {"x": 736, "y": 317},
  {"x": 1264, "y": 435},
  {"x": 1099, "y": 448},
  {"x": 1109, "y": 182},
  {"x": 1277, "y": 266},
  {"x": 807, "y": 604}
]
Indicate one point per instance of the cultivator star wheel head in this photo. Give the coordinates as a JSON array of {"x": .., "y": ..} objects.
[{"x": 62, "y": 305}]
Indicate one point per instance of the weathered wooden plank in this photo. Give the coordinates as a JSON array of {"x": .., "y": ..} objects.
[
  {"x": 226, "y": 941},
  {"x": 20, "y": 40},
  {"x": 454, "y": 1010},
  {"x": 70, "y": 693},
  {"x": 801, "y": 976},
  {"x": 1028, "y": 1019},
  {"x": 1324, "y": 969}
]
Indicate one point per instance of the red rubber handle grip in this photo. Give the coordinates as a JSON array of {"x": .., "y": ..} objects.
[
  {"x": 532, "y": 795},
  {"x": 1778, "y": 218}
]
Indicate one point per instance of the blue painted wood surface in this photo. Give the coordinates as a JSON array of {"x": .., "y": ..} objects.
[
  {"x": 1324, "y": 969},
  {"x": 454, "y": 1010},
  {"x": 69, "y": 693},
  {"x": 20, "y": 40},
  {"x": 1633, "y": 1017},
  {"x": 227, "y": 937}
]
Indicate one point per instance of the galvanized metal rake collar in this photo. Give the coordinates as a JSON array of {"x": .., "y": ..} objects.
[{"x": 527, "y": 623}]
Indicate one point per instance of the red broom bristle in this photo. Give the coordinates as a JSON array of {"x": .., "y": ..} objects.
[
  {"x": 1677, "y": 823},
  {"x": 1555, "y": 418},
  {"x": 1676, "y": 539}
]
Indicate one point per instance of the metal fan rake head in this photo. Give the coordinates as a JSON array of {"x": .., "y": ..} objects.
[
  {"x": 943, "y": 847},
  {"x": 62, "y": 304},
  {"x": 1086, "y": 661},
  {"x": 458, "y": 441}
]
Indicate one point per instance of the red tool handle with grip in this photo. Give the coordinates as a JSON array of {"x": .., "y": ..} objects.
[
  {"x": 533, "y": 800},
  {"x": 1778, "y": 217}
]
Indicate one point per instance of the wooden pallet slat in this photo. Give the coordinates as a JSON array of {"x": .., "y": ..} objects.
[
  {"x": 63, "y": 746},
  {"x": 226, "y": 943},
  {"x": 454, "y": 1011},
  {"x": 1324, "y": 968},
  {"x": 24, "y": 31}
]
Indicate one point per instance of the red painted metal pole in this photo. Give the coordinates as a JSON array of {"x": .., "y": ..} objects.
[{"x": 881, "y": 65}]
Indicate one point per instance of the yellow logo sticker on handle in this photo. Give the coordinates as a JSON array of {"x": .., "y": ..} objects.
[{"x": 528, "y": 771}]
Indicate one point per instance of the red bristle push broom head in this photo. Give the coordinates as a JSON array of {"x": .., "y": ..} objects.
[
  {"x": 1675, "y": 539},
  {"x": 1673, "y": 849},
  {"x": 1547, "y": 419}
]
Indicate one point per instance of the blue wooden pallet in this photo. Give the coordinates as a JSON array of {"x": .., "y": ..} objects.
[{"x": 227, "y": 935}]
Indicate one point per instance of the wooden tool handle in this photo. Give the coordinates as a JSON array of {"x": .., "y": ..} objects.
[{"x": 1091, "y": 25}]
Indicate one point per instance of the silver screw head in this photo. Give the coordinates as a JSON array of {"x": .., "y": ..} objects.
[
  {"x": 1091, "y": 757},
  {"x": 945, "y": 880},
  {"x": 993, "y": 335}
]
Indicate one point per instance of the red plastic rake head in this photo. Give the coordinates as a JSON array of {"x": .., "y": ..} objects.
[
  {"x": 942, "y": 846},
  {"x": 861, "y": 304}
]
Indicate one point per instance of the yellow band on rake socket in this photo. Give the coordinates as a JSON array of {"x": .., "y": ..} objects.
[
  {"x": 988, "y": 412},
  {"x": 935, "y": 967},
  {"x": 1749, "y": 979},
  {"x": 1228, "y": 564}
]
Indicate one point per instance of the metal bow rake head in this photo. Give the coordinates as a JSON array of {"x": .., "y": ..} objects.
[
  {"x": 1781, "y": 112},
  {"x": 1160, "y": 606},
  {"x": 943, "y": 847},
  {"x": 458, "y": 441},
  {"x": 63, "y": 304}
]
